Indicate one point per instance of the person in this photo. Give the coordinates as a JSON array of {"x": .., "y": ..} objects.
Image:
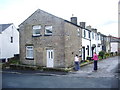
[
  {"x": 76, "y": 60},
  {"x": 95, "y": 58}
]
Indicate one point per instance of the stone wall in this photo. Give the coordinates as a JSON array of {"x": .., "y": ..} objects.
[
  {"x": 64, "y": 46},
  {"x": 73, "y": 43}
]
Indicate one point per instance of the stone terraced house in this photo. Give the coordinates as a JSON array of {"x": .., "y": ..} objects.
[{"x": 49, "y": 41}]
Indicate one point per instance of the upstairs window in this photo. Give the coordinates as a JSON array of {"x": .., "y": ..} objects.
[
  {"x": 78, "y": 32},
  {"x": 98, "y": 37},
  {"x": 88, "y": 34},
  {"x": 36, "y": 30},
  {"x": 11, "y": 39},
  {"x": 84, "y": 33},
  {"x": 92, "y": 35},
  {"x": 29, "y": 52},
  {"x": 48, "y": 30}
]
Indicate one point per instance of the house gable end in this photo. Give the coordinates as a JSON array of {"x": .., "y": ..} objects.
[
  {"x": 38, "y": 16},
  {"x": 45, "y": 15}
]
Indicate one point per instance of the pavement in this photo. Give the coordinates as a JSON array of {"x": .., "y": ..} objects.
[
  {"x": 106, "y": 68},
  {"x": 37, "y": 72}
]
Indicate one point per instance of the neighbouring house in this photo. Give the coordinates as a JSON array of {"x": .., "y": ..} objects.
[
  {"x": 103, "y": 39},
  {"x": 9, "y": 41},
  {"x": 108, "y": 45},
  {"x": 114, "y": 43},
  {"x": 114, "y": 47},
  {"x": 94, "y": 41},
  {"x": 86, "y": 42},
  {"x": 91, "y": 41},
  {"x": 49, "y": 41}
]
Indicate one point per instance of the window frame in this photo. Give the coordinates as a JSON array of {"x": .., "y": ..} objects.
[
  {"x": 27, "y": 56},
  {"x": 51, "y": 29},
  {"x": 34, "y": 30}
]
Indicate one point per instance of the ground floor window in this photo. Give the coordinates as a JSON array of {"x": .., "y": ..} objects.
[{"x": 29, "y": 52}]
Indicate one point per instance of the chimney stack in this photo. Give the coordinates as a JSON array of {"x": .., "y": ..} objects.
[
  {"x": 82, "y": 24},
  {"x": 89, "y": 27},
  {"x": 74, "y": 20}
]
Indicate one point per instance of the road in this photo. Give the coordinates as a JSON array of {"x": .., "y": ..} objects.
[{"x": 105, "y": 77}]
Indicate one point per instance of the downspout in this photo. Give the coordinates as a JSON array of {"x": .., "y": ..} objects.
[{"x": 90, "y": 46}]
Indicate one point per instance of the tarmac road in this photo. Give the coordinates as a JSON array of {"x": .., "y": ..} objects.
[{"x": 106, "y": 77}]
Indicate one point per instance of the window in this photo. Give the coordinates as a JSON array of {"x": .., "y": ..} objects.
[
  {"x": 29, "y": 52},
  {"x": 98, "y": 37},
  {"x": 88, "y": 49},
  {"x": 84, "y": 33},
  {"x": 92, "y": 35},
  {"x": 36, "y": 30},
  {"x": 102, "y": 38},
  {"x": 48, "y": 30},
  {"x": 88, "y": 34},
  {"x": 11, "y": 39},
  {"x": 95, "y": 36},
  {"x": 78, "y": 32}
]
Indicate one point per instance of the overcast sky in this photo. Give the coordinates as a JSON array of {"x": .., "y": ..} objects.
[{"x": 100, "y": 14}]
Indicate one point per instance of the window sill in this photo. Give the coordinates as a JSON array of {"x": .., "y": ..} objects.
[
  {"x": 36, "y": 35},
  {"x": 29, "y": 58},
  {"x": 47, "y": 35}
]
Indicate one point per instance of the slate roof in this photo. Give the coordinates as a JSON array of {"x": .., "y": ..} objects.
[
  {"x": 52, "y": 15},
  {"x": 4, "y": 26}
]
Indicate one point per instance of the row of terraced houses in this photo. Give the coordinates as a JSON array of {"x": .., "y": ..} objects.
[{"x": 49, "y": 41}]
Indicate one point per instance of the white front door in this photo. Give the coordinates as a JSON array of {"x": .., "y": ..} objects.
[{"x": 50, "y": 58}]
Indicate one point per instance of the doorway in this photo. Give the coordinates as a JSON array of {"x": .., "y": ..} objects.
[{"x": 50, "y": 58}]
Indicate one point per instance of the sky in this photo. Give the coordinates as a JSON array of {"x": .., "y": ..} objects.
[{"x": 100, "y": 14}]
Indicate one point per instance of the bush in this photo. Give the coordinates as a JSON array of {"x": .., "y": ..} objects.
[
  {"x": 13, "y": 61},
  {"x": 101, "y": 53},
  {"x": 99, "y": 57},
  {"x": 107, "y": 55}
]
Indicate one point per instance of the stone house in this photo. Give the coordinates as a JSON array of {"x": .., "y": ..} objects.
[{"x": 49, "y": 41}]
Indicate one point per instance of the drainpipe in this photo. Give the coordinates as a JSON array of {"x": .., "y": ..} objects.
[{"x": 90, "y": 48}]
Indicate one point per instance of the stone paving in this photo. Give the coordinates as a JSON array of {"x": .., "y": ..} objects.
[{"x": 106, "y": 68}]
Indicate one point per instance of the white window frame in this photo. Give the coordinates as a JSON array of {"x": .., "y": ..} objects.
[
  {"x": 35, "y": 28},
  {"x": 29, "y": 48},
  {"x": 50, "y": 28}
]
